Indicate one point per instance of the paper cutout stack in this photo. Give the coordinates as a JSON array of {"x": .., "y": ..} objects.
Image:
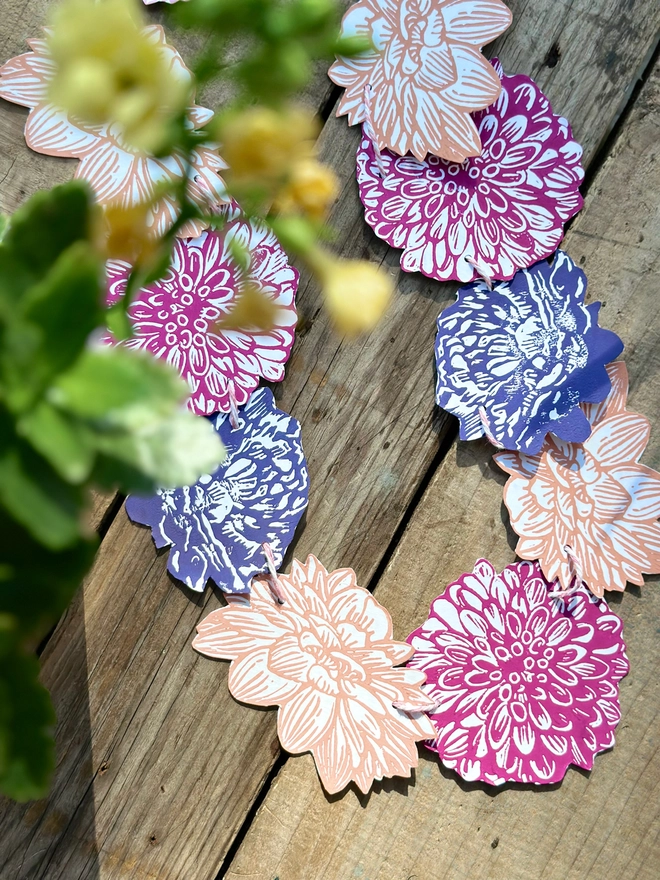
[
  {"x": 216, "y": 527},
  {"x": 502, "y": 210},
  {"x": 326, "y": 658},
  {"x": 175, "y": 317},
  {"x": 595, "y": 498},
  {"x": 116, "y": 172},
  {"x": 526, "y": 685},
  {"x": 426, "y": 72},
  {"x": 527, "y": 352}
]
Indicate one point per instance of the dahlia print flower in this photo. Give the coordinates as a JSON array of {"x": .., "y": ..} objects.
[
  {"x": 525, "y": 684},
  {"x": 595, "y": 498},
  {"x": 176, "y": 318},
  {"x": 426, "y": 72},
  {"x": 526, "y": 353},
  {"x": 118, "y": 173},
  {"x": 502, "y": 210},
  {"x": 216, "y": 527},
  {"x": 326, "y": 658}
]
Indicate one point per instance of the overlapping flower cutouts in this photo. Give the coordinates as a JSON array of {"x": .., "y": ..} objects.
[
  {"x": 500, "y": 211},
  {"x": 525, "y": 684},
  {"x": 426, "y": 72},
  {"x": 326, "y": 657},
  {"x": 117, "y": 173},
  {"x": 520, "y": 358},
  {"x": 595, "y": 498},
  {"x": 176, "y": 317},
  {"x": 216, "y": 528}
]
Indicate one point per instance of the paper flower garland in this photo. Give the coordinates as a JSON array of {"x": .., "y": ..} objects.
[
  {"x": 175, "y": 317},
  {"x": 116, "y": 172},
  {"x": 216, "y": 527},
  {"x": 426, "y": 72},
  {"x": 526, "y": 685},
  {"x": 326, "y": 657},
  {"x": 503, "y": 210},
  {"x": 594, "y": 498},
  {"x": 526, "y": 352}
]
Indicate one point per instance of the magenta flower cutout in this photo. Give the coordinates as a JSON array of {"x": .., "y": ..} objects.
[
  {"x": 503, "y": 210},
  {"x": 525, "y": 684},
  {"x": 176, "y": 317}
]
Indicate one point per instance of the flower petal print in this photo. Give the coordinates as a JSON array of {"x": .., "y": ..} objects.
[
  {"x": 216, "y": 527},
  {"x": 503, "y": 210},
  {"x": 525, "y": 684},
  {"x": 175, "y": 317},
  {"x": 326, "y": 657},
  {"x": 116, "y": 172},
  {"x": 527, "y": 352},
  {"x": 426, "y": 72},
  {"x": 595, "y": 498}
]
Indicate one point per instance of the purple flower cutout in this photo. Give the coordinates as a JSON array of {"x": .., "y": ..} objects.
[
  {"x": 175, "y": 317},
  {"x": 527, "y": 352},
  {"x": 503, "y": 210},
  {"x": 216, "y": 527},
  {"x": 525, "y": 684}
]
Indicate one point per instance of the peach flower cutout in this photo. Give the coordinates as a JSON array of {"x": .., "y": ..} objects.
[
  {"x": 326, "y": 657},
  {"x": 593, "y": 497},
  {"x": 117, "y": 173},
  {"x": 426, "y": 72}
]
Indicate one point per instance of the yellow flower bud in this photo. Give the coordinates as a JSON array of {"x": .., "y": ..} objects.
[
  {"x": 311, "y": 189},
  {"x": 253, "y": 310},
  {"x": 357, "y": 293},
  {"x": 126, "y": 235}
]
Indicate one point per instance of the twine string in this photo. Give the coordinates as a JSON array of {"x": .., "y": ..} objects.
[
  {"x": 575, "y": 567},
  {"x": 273, "y": 579},
  {"x": 481, "y": 271},
  {"x": 234, "y": 419},
  {"x": 485, "y": 423}
]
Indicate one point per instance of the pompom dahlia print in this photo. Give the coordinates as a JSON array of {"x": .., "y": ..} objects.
[
  {"x": 524, "y": 355},
  {"x": 117, "y": 173},
  {"x": 501, "y": 211},
  {"x": 426, "y": 72},
  {"x": 326, "y": 658},
  {"x": 216, "y": 527},
  {"x": 176, "y": 317},
  {"x": 595, "y": 498},
  {"x": 525, "y": 685}
]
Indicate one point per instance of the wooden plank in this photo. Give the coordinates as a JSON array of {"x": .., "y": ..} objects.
[
  {"x": 594, "y": 825},
  {"x": 158, "y": 767}
]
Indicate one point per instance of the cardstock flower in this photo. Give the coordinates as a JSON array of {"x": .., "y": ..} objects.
[
  {"x": 216, "y": 527},
  {"x": 527, "y": 352},
  {"x": 426, "y": 72},
  {"x": 525, "y": 684},
  {"x": 503, "y": 210},
  {"x": 326, "y": 658},
  {"x": 176, "y": 317},
  {"x": 594, "y": 498},
  {"x": 117, "y": 173}
]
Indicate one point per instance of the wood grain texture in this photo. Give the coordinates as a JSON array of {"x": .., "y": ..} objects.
[
  {"x": 593, "y": 826},
  {"x": 157, "y": 765}
]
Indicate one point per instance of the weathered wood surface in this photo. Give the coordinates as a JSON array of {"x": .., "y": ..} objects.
[
  {"x": 157, "y": 766},
  {"x": 597, "y": 825}
]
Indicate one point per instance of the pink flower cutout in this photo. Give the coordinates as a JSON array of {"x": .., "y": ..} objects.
[
  {"x": 426, "y": 72},
  {"x": 525, "y": 684},
  {"x": 175, "y": 317},
  {"x": 326, "y": 658},
  {"x": 502, "y": 210},
  {"x": 593, "y": 497},
  {"x": 116, "y": 172}
]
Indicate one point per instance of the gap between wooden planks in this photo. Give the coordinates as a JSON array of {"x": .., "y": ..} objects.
[
  {"x": 157, "y": 766},
  {"x": 603, "y": 824}
]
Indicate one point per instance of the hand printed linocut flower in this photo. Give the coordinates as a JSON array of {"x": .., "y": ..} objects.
[
  {"x": 426, "y": 72},
  {"x": 503, "y": 210},
  {"x": 216, "y": 527},
  {"x": 527, "y": 352},
  {"x": 525, "y": 684},
  {"x": 326, "y": 657},
  {"x": 594, "y": 497},
  {"x": 117, "y": 173},
  {"x": 175, "y": 318}
]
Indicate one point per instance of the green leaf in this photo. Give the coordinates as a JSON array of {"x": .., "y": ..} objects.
[
  {"x": 4, "y": 224},
  {"x": 61, "y": 440}
]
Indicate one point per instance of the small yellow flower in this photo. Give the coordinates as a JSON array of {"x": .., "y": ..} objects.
[
  {"x": 253, "y": 310},
  {"x": 127, "y": 234},
  {"x": 357, "y": 293},
  {"x": 109, "y": 71},
  {"x": 311, "y": 190}
]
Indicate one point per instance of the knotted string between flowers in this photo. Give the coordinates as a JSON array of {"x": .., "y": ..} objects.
[
  {"x": 576, "y": 570},
  {"x": 273, "y": 580}
]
